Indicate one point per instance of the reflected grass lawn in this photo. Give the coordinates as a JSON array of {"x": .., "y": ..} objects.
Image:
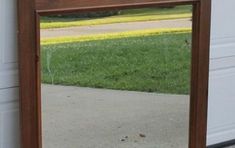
[{"x": 153, "y": 63}]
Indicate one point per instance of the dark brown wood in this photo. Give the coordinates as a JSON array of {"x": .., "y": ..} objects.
[
  {"x": 29, "y": 59},
  {"x": 45, "y": 12},
  {"x": 77, "y": 4},
  {"x": 29, "y": 115},
  {"x": 38, "y": 79},
  {"x": 200, "y": 74}
]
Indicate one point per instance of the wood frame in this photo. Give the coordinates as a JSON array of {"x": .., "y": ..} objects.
[{"x": 29, "y": 56}]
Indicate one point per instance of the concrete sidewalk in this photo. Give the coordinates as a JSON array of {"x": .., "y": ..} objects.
[
  {"x": 113, "y": 28},
  {"x": 75, "y": 117}
]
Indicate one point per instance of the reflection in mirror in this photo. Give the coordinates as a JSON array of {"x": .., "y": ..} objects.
[{"x": 116, "y": 79}]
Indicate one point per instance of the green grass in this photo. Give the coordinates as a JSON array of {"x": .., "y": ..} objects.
[
  {"x": 154, "y": 63},
  {"x": 134, "y": 15}
]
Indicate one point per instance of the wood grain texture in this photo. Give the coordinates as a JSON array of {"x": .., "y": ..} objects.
[
  {"x": 29, "y": 115},
  {"x": 29, "y": 60},
  {"x": 56, "y": 5},
  {"x": 200, "y": 74}
]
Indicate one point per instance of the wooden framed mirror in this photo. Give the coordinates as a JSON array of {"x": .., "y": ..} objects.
[{"x": 29, "y": 59}]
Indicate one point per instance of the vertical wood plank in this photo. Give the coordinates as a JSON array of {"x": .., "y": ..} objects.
[
  {"x": 200, "y": 74},
  {"x": 30, "y": 135}
]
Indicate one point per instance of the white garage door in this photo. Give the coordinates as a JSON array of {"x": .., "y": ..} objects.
[
  {"x": 9, "y": 108},
  {"x": 221, "y": 120}
]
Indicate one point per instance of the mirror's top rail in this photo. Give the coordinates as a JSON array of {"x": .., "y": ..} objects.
[{"x": 61, "y": 6}]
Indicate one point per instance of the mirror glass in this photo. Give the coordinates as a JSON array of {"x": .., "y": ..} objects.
[{"x": 116, "y": 78}]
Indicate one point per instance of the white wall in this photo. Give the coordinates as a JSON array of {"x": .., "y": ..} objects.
[
  {"x": 9, "y": 108},
  {"x": 221, "y": 119}
]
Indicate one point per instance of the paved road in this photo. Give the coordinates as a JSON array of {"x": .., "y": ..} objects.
[
  {"x": 120, "y": 27},
  {"x": 75, "y": 117}
]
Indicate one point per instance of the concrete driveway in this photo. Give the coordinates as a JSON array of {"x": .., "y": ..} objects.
[
  {"x": 113, "y": 28},
  {"x": 75, "y": 117}
]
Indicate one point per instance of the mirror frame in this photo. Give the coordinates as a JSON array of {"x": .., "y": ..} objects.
[{"x": 29, "y": 12}]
